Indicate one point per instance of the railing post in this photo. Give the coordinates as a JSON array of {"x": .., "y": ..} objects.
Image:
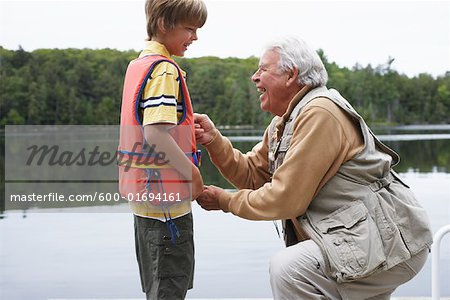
[{"x": 435, "y": 256}]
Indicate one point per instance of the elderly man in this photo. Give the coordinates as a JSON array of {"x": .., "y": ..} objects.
[{"x": 353, "y": 229}]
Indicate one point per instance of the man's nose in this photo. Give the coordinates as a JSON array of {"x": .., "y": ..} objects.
[{"x": 255, "y": 76}]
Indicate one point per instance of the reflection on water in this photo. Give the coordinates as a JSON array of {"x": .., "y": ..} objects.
[
  {"x": 64, "y": 255},
  {"x": 421, "y": 156}
]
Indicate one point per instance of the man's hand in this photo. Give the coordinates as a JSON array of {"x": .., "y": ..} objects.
[
  {"x": 205, "y": 131},
  {"x": 209, "y": 199}
]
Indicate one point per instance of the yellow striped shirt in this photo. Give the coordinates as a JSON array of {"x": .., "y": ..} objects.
[
  {"x": 161, "y": 103},
  {"x": 161, "y": 100}
]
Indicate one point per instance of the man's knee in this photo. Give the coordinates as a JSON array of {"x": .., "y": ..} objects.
[
  {"x": 295, "y": 273},
  {"x": 291, "y": 263},
  {"x": 279, "y": 264}
]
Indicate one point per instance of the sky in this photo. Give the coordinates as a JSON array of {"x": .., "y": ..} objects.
[{"x": 415, "y": 33}]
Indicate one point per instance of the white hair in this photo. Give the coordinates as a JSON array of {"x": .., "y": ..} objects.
[{"x": 295, "y": 53}]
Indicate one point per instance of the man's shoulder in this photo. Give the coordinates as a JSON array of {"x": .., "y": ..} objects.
[
  {"x": 326, "y": 109},
  {"x": 324, "y": 104}
]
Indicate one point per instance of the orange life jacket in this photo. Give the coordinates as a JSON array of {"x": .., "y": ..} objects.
[{"x": 143, "y": 175}]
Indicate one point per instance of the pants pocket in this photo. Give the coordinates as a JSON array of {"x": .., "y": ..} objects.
[
  {"x": 352, "y": 243},
  {"x": 174, "y": 259}
]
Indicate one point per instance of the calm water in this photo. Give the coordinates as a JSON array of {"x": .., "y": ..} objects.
[{"x": 58, "y": 253}]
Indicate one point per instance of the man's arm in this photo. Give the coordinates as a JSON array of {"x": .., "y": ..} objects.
[
  {"x": 318, "y": 147},
  {"x": 248, "y": 170}
]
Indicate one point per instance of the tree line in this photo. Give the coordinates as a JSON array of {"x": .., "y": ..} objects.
[{"x": 84, "y": 86}]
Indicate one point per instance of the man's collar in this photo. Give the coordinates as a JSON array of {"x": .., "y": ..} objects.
[{"x": 295, "y": 100}]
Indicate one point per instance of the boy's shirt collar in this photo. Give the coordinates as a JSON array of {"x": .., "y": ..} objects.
[{"x": 153, "y": 47}]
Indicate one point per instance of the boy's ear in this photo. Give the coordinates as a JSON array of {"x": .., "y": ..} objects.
[{"x": 161, "y": 25}]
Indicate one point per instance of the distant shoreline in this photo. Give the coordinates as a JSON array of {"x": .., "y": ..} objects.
[{"x": 251, "y": 128}]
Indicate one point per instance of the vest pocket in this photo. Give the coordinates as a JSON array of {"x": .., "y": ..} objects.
[{"x": 352, "y": 242}]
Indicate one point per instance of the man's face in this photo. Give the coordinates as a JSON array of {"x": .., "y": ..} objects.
[{"x": 272, "y": 84}]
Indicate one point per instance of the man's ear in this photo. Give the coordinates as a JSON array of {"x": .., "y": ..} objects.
[{"x": 292, "y": 77}]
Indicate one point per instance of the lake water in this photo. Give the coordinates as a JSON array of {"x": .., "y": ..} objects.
[{"x": 89, "y": 252}]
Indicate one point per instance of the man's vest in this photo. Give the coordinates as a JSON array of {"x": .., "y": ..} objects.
[
  {"x": 364, "y": 219},
  {"x": 145, "y": 177}
]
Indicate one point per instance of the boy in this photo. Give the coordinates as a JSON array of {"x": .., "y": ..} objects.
[{"x": 158, "y": 161}]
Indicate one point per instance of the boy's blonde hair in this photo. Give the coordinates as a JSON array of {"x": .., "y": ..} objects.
[{"x": 173, "y": 12}]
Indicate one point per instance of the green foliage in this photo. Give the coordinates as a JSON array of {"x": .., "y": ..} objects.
[
  {"x": 71, "y": 86},
  {"x": 83, "y": 86}
]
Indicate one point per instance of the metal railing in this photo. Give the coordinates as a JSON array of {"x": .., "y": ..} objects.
[{"x": 435, "y": 257}]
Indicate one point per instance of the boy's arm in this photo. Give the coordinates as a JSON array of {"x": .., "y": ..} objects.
[
  {"x": 174, "y": 155},
  {"x": 159, "y": 106}
]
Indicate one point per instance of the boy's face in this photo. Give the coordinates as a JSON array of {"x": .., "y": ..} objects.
[{"x": 178, "y": 39}]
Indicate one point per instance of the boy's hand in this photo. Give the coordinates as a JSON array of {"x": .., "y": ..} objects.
[
  {"x": 205, "y": 131},
  {"x": 197, "y": 182}
]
